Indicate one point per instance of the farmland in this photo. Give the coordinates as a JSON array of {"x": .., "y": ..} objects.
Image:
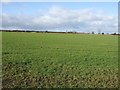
[{"x": 52, "y": 60}]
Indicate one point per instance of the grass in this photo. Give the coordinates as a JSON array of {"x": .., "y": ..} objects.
[{"x": 45, "y": 60}]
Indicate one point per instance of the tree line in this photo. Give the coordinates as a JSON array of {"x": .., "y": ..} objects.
[{"x": 57, "y": 32}]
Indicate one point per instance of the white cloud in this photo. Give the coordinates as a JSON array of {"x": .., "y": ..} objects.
[
  {"x": 62, "y": 19},
  {"x": 5, "y": 1}
]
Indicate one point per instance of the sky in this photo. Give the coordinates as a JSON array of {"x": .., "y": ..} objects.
[{"x": 61, "y": 16}]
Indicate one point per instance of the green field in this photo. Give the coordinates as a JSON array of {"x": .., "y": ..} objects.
[{"x": 59, "y": 60}]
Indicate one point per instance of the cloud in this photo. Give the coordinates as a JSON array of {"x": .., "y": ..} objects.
[
  {"x": 61, "y": 19},
  {"x": 5, "y": 1}
]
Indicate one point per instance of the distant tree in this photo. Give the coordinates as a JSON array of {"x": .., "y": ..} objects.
[
  {"x": 115, "y": 33},
  {"x": 46, "y": 31},
  {"x": 102, "y": 33},
  {"x": 92, "y": 32},
  {"x": 72, "y": 31}
]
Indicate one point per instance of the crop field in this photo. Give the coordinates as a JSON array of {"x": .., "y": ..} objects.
[{"x": 53, "y": 60}]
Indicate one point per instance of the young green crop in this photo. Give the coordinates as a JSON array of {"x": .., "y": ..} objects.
[{"x": 60, "y": 60}]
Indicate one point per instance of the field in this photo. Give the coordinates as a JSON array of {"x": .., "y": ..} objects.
[{"x": 51, "y": 60}]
